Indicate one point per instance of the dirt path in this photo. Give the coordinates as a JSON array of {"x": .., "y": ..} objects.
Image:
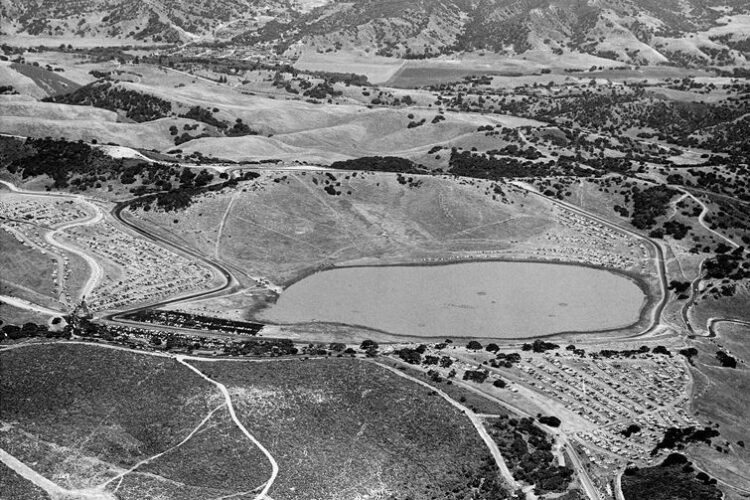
[
  {"x": 230, "y": 407},
  {"x": 96, "y": 270},
  {"x": 221, "y": 225},
  {"x": 29, "y": 306},
  {"x": 98, "y": 493},
  {"x": 476, "y": 420},
  {"x": 702, "y": 216},
  {"x": 97, "y": 273},
  {"x": 120, "y": 476}
]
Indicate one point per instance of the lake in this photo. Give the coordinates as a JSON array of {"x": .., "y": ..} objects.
[{"x": 476, "y": 299}]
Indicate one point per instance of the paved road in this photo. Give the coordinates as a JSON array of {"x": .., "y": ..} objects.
[
  {"x": 229, "y": 280},
  {"x": 588, "y": 485}
]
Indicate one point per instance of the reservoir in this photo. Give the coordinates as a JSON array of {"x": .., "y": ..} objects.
[{"x": 476, "y": 299}]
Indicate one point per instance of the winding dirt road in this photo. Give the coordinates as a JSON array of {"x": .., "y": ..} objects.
[
  {"x": 99, "y": 493},
  {"x": 230, "y": 407},
  {"x": 96, "y": 269}
]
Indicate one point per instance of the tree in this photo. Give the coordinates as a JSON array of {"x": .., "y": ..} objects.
[
  {"x": 446, "y": 361},
  {"x": 337, "y": 346},
  {"x": 411, "y": 356},
  {"x": 368, "y": 344},
  {"x": 474, "y": 345},
  {"x": 492, "y": 347}
]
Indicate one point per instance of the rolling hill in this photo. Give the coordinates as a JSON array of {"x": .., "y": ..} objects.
[{"x": 692, "y": 33}]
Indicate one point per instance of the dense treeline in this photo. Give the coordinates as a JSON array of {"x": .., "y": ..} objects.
[
  {"x": 137, "y": 106},
  {"x": 379, "y": 164},
  {"x": 204, "y": 115},
  {"x": 178, "y": 199},
  {"x": 732, "y": 265},
  {"x": 676, "y": 438},
  {"x": 726, "y": 360},
  {"x": 79, "y": 165},
  {"x": 483, "y": 166},
  {"x": 649, "y": 204},
  {"x": 30, "y": 330}
]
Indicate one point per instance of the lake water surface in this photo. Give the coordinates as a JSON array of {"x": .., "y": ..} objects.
[{"x": 482, "y": 299}]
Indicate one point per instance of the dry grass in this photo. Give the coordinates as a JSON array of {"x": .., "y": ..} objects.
[
  {"x": 25, "y": 268},
  {"x": 283, "y": 230},
  {"x": 377, "y": 69},
  {"x": 723, "y": 397}
]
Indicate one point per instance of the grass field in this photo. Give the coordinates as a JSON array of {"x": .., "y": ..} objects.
[
  {"x": 377, "y": 69},
  {"x": 17, "y": 316},
  {"x": 22, "y": 84},
  {"x": 342, "y": 428},
  {"x": 83, "y": 414},
  {"x": 49, "y": 81},
  {"x": 734, "y": 307},
  {"x": 25, "y": 267}
]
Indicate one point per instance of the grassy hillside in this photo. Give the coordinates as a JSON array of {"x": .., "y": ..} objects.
[
  {"x": 25, "y": 267},
  {"x": 285, "y": 224},
  {"x": 721, "y": 397}
]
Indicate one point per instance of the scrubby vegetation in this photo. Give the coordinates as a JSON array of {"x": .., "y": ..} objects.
[
  {"x": 676, "y": 438},
  {"x": 191, "y": 185},
  {"x": 49, "y": 391},
  {"x": 649, "y": 204},
  {"x": 526, "y": 449},
  {"x": 350, "y": 414},
  {"x": 673, "y": 479}
]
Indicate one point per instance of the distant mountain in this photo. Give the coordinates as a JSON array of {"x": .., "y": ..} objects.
[
  {"x": 682, "y": 32},
  {"x": 169, "y": 21},
  {"x": 685, "y": 32}
]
